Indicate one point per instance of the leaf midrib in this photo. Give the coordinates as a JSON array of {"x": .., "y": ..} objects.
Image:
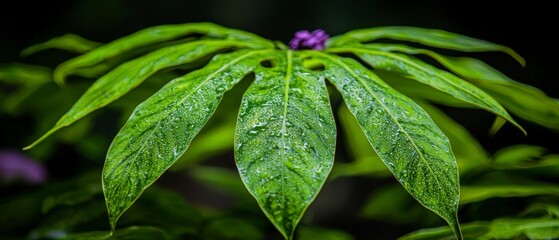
[
  {"x": 284, "y": 126},
  {"x": 355, "y": 75}
]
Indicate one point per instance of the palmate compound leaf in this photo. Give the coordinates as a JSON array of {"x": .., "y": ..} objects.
[
  {"x": 162, "y": 127},
  {"x": 403, "y": 135},
  {"x": 285, "y": 136},
  {"x": 285, "y": 139}
]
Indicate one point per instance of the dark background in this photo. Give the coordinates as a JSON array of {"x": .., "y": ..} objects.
[{"x": 528, "y": 27}]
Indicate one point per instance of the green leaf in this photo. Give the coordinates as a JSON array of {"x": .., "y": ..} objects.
[
  {"x": 127, "y": 76},
  {"x": 419, "y": 91},
  {"x": 403, "y": 135},
  {"x": 24, "y": 74},
  {"x": 26, "y": 78},
  {"x": 285, "y": 139},
  {"x": 150, "y": 36},
  {"x": 477, "y": 193},
  {"x": 68, "y": 42},
  {"x": 427, "y": 74},
  {"x": 526, "y": 102},
  {"x": 522, "y": 100},
  {"x": 550, "y": 210},
  {"x": 162, "y": 127},
  {"x": 429, "y": 37},
  {"x": 517, "y": 154}
]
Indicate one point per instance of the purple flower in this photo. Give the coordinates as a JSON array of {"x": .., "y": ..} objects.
[
  {"x": 16, "y": 166},
  {"x": 309, "y": 40}
]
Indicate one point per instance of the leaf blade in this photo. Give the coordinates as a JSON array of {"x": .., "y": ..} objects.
[
  {"x": 161, "y": 128},
  {"x": 285, "y": 140},
  {"x": 402, "y": 134},
  {"x": 429, "y": 37}
]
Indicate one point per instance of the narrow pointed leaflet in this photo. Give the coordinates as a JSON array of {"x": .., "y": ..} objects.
[
  {"x": 406, "y": 139},
  {"x": 149, "y": 37},
  {"x": 161, "y": 128},
  {"x": 129, "y": 75},
  {"x": 428, "y": 37},
  {"x": 285, "y": 139},
  {"x": 434, "y": 77}
]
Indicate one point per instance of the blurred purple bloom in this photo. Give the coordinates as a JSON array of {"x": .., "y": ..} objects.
[
  {"x": 17, "y": 166},
  {"x": 309, "y": 40}
]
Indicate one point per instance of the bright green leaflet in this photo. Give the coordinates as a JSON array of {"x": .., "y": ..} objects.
[
  {"x": 285, "y": 139},
  {"x": 150, "y": 36},
  {"x": 403, "y": 135},
  {"x": 427, "y": 74},
  {"x": 129, "y": 75},
  {"x": 429, "y": 37},
  {"x": 162, "y": 127},
  {"x": 523, "y": 100}
]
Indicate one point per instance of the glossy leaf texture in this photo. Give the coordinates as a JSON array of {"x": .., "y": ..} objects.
[
  {"x": 430, "y": 75},
  {"x": 129, "y": 75},
  {"x": 285, "y": 138},
  {"x": 406, "y": 139},
  {"x": 161, "y": 128}
]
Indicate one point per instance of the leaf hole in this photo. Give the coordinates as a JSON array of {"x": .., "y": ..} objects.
[{"x": 269, "y": 63}]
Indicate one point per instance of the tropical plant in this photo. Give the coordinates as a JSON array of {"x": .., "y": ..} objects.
[{"x": 285, "y": 131}]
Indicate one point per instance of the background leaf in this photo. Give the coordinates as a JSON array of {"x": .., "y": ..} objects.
[{"x": 69, "y": 42}]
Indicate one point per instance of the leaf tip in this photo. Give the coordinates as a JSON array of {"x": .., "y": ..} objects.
[
  {"x": 32, "y": 145},
  {"x": 59, "y": 78},
  {"x": 516, "y": 56}
]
